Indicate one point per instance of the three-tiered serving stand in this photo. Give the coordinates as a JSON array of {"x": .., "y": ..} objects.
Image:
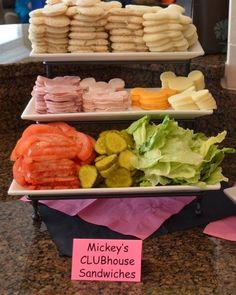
[{"x": 50, "y": 60}]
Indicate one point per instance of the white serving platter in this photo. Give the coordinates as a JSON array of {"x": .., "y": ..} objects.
[
  {"x": 16, "y": 189},
  {"x": 132, "y": 114},
  {"x": 195, "y": 51},
  {"x": 231, "y": 193}
]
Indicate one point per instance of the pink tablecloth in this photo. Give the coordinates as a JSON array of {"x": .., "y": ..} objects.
[
  {"x": 138, "y": 217},
  {"x": 224, "y": 228}
]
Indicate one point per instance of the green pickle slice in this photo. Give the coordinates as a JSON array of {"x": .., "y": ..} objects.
[
  {"x": 121, "y": 177},
  {"x": 100, "y": 146},
  {"x": 106, "y": 173},
  {"x": 103, "y": 133},
  {"x": 99, "y": 158},
  {"x": 114, "y": 163},
  {"x": 126, "y": 159},
  {"x": 115, "y": 143},
  {"x": 106, "y": 162},
  {"x": 88, "y": 175},
  {"x": 127, "y": 137}
]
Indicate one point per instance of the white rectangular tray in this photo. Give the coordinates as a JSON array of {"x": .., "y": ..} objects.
[
  {"x": 16, "y": 189},
  {"x": 132, "y": 114},
  {"x": 195, "y": 51},
  {"x": 231, "y": 193}
]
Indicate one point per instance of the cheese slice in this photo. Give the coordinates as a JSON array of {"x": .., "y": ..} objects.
[
  {"x": 188, "y": 106},
  {"x": 190, "y": 89},
  {"x": 165, "y": 77},
  {"x": 180, "y": 84},
  {"x": 198, "y": 79},
  {"x": 183, "y": 101},
  {"x": 204, "y": 100}
]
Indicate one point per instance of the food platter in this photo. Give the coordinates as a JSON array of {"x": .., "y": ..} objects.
[
  {"x": 132, "y": 114},
  {"x": 231, "y": 193},
  {"x": 16, "y": 189},
  {"x": 195, "y": 51}
]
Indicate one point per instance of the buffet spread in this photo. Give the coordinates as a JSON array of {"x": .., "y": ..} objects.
[{"x": 55, "y": 160}]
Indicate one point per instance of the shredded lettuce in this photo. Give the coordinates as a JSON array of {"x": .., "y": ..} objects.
[{"x": 169, "y": 154}]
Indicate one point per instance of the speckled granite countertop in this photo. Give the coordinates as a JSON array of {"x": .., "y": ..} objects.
[{"x": 183, "y": 263}]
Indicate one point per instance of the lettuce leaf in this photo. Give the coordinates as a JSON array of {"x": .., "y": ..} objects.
[{"x": 169, "y": 154}]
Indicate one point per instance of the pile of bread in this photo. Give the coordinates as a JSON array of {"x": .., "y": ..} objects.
[{"x": 75, "y": 26}]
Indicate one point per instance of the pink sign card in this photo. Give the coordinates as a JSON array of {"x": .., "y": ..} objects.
[{"x": 106, "y": 260}]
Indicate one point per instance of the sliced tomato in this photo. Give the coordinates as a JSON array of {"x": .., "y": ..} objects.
[
  {"x": 93, "y": 155},
  {"x": 85, "y": 146},
  {"x": 40, "y": 144},
  {"x": 18, "y": 172},
  {"x": 64, "y": 127},
  {"x": 93, "y": 141},
  {"x": 34, "y": 129},
  {"x": 90, "y": 160}
]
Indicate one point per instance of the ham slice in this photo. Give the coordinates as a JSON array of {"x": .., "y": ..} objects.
[
  {"x": 117, "y": 83},
  {"x": 86, "y": 83},
  {"x": 70, "y": 94},
  {"x": 105, "y": 97},
  {"x": 57, "y": 95}
]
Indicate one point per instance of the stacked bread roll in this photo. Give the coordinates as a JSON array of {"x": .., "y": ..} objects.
[
  {"x": 57, "y": 26},
  {"x": 190, "y": 33},
  {"x": 71, "y": 7},
  {"x": 169, "y": 30},
  {"x": 97, "y": 26},
  {"x": 37, "y": 31},
  {"x": 87, "y": 30},
  {"x": 49, "y": 26},
  {"x": 125, "y": 30}
]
